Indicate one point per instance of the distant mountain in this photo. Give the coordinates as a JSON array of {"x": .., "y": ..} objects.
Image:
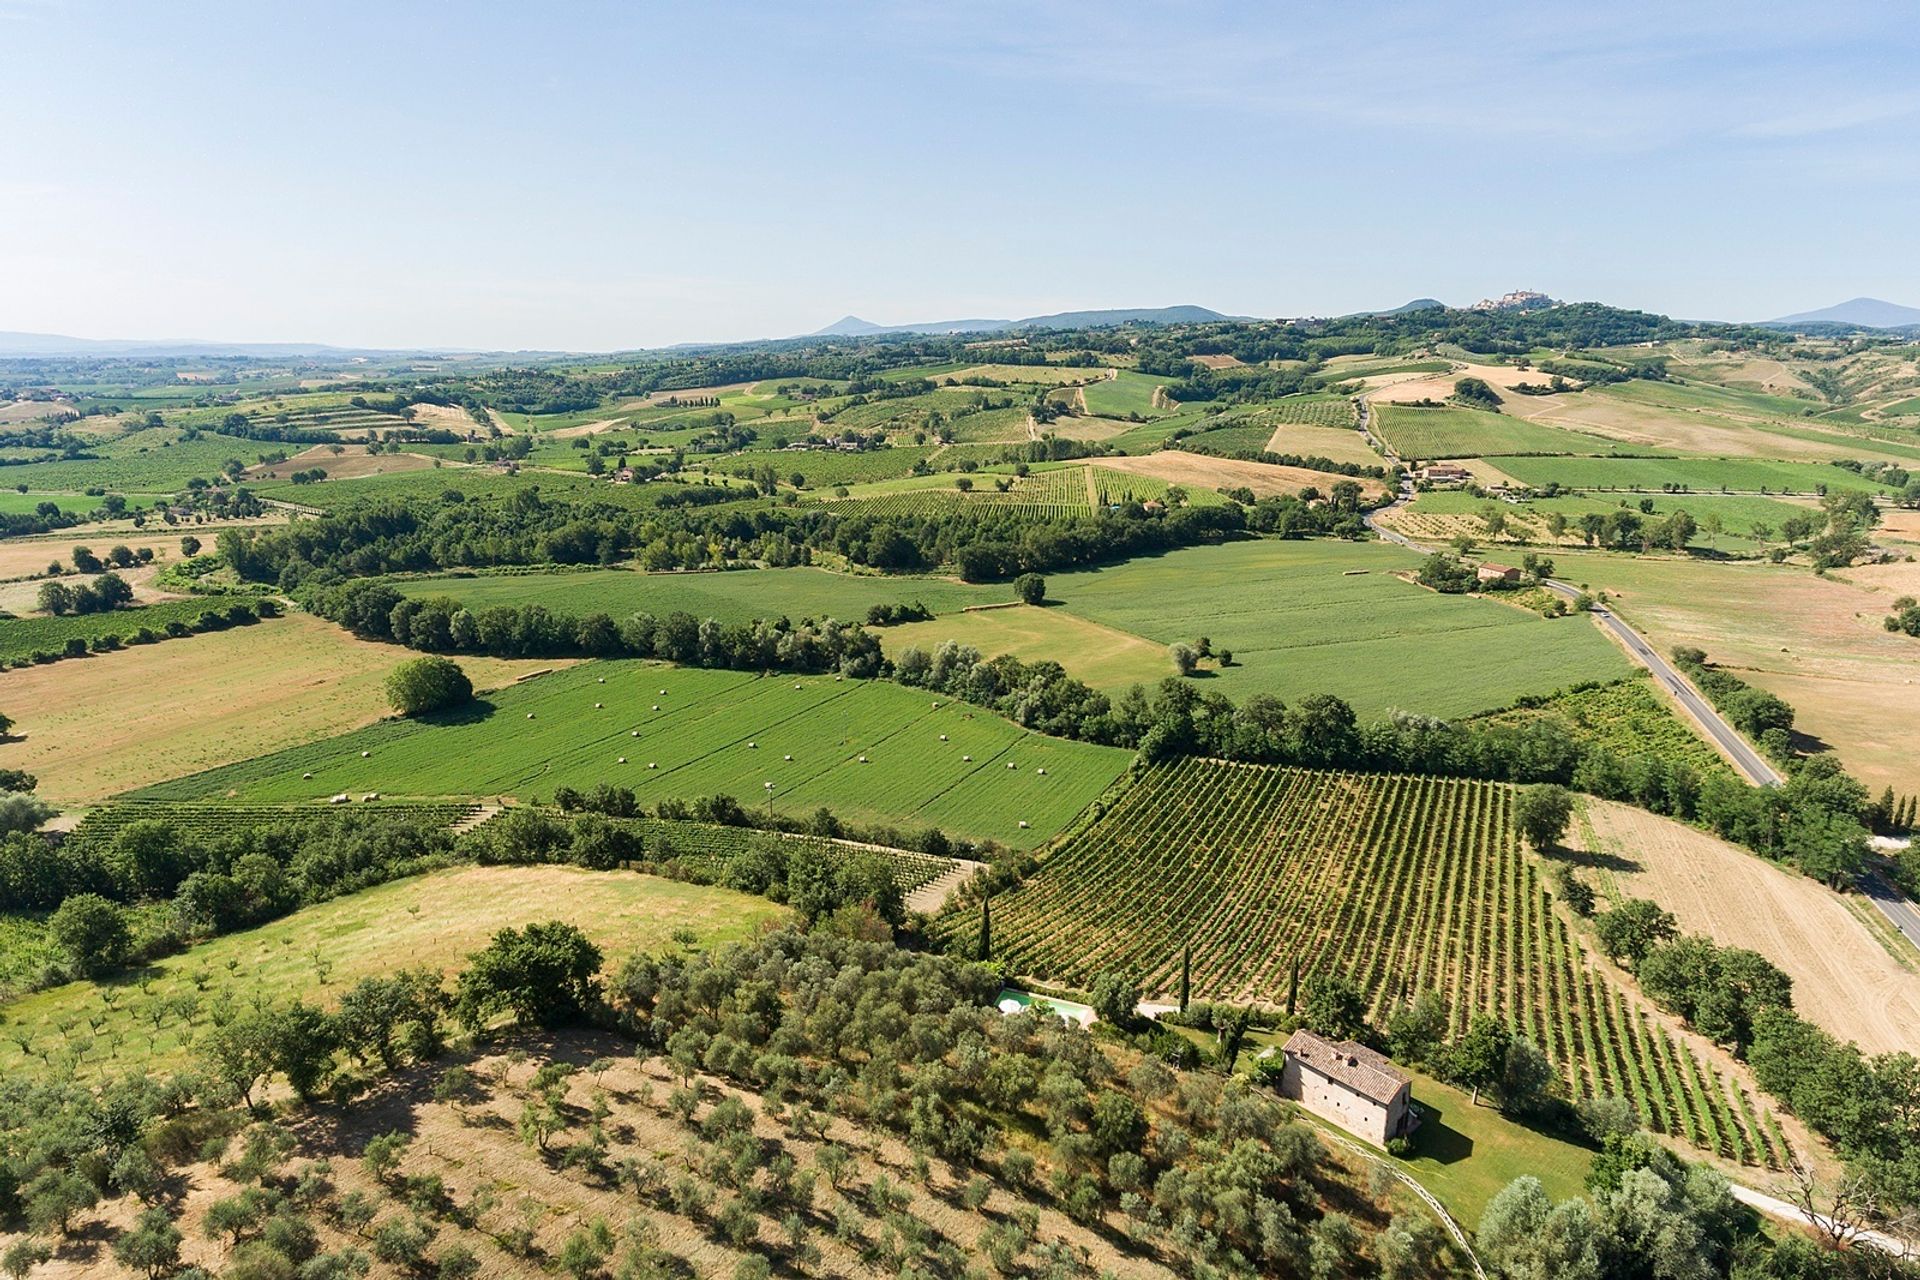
[
  {"x": 1860, "y": 313},
  {"x": 855, "y": 327},
  {"x": 1418, "y": 304}
]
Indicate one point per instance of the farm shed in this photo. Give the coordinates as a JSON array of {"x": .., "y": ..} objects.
[
  {"x": 1349, "y": 1084},
  {"x": 1497, "y": 573}
]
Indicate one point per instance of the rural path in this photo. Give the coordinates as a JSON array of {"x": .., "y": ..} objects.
[
  {"x": 1749, "y": 761},
  {"x": 1787, "y": 1211},
  {"x": 933, "y": 895}
]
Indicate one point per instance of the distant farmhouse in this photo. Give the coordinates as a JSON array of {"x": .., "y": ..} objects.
[{"x": 1349, "y": 1084}]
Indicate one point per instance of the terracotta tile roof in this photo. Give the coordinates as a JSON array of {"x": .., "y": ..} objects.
[{"x": 1354, "y": 1065}]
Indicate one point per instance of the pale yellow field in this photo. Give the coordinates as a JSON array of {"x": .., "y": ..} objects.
[
  {"x": 1058, "y": 375},
  {"x": 1843, "y": 978},
  {"x": 1340, "y": 444},
  {"x": 1114, "y": 659},
  {"x": 91, "y": 728},
  {"x": 352, "y": 462},
  {"x": 1199, "y": 469},
  {"x": 1817, "y": 642}
]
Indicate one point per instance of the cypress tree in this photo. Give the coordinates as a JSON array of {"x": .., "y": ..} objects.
[
  {"x": 986, "y": 930},
  {"x": 1293, "y": 988},
  {"x": 1186, "y": 974}
]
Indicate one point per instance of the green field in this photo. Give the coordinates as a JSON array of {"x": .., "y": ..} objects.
[
  {"x": 472, "y": 482},
  {"x": 1331, "y": 617},
  {"x": 1627, "y": 718},
  {"x": 1702, "y": 475},
  {"x": 21, "y": 638},
  {"x": 700, "y": 740},
  {"x": 1738, "y": 514},
  {"x": 1126, "y": 393},
  {"x": 824, "y": 468},
  {"x": 1063, "y": 489},
  {"x": 434, "y": 920},
  {"x": 15, "y": 503},
  {"x": 153, "y": 460},
  {"x": 738, "y": 596},
  {"x": 1401, "y": 884},
  {"x": 1452, "y": 432}
]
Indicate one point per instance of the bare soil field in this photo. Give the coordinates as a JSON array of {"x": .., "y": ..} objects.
[
  {"x": 1219, "y": 362},
  {"x": 1400, "y": 389},
  {"x": 1341, "y": 444},
  {"x": 588, "y": 428},
  {"x": 1817, "y": 642},
  {"x": 16, "y": 411},
  {"x": 21, "y": 596},
  {"x": 22, "y": 556},
  {"x": 1899, "y": 523},
  {"x": 90, "y": 728},
  {"x": 1843, "y": 978},
  {"x": 1683, "y": 431},
  {"x": 445, "y": 417},
  {"x": 687, "y": 393},
  {"x": 1199, "y": 469},
  {"x": 351, "y": 463}
]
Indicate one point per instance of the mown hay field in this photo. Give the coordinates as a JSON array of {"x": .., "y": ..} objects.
[{"x": 873, "y": 751}]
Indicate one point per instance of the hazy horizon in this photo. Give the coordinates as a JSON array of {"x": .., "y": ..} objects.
[{"x": 493, "y": 179}]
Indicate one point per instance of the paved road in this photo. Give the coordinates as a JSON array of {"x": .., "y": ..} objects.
[
  {"x": 1899, "y": 911},
  {"x": 1749, "y": 761}
]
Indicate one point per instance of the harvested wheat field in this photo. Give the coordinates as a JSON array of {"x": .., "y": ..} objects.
[
  {"x": 92, "y": 727},
  {"x": 1199, "y": 470},
  {"x": 352, "y": 462},
  {"x": 1843, "y": 978},
  {"x": 20, "y": 557},
  {"x": 1218, "y": 362},
  {"x": 1337, "y": 444}
]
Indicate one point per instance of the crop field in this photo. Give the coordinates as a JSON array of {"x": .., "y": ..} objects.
[
  {"x": 471, "y": 482},
  {"x": 94, "y": 727},
  {"x": 872, "y": 751},
  {"x": 14, "y": 503},
  {"x": 711, "y": 847},
  {"x": 1701, "y": 475},
  {"x": 208, "y": 822},
  {"x": 433, "y": 921},
  {"x": 1332, "y": 617},
  {"x": 1070, "y": 489},
  {"x": 1037, "y": 375},
  {"x": 1439, "y": 515},
  {"x": 1341, "y": 444},
  {"x": 1626, "y": 717},
  {"x": 152, "y": 460},
  {"x": 22, "y": 638},
  {"x": 824, "y": 468},
  {"x": 1401, "y": 884},
  {"x": 1203, "y": 475},
  {"x": 1469, "y": 433},
  {"x": 737, "y": 596},
  {"x": 906, "y": 412},
  {"x": 1310, "y": 411},
  {"x": 1125, "y": 393}
]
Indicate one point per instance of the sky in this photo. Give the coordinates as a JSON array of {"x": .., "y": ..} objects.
[{"x": 581, "y": 176}]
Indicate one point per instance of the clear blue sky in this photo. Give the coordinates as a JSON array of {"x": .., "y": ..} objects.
[{"x": 594, "y": 176}]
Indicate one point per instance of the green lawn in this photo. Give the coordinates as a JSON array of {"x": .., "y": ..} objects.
[
  {"x": 1704, "y": 475},
  {"x": 1467, "y": 433},
  {"x": 710, "y": 732},
  {"x": 737, "y": 596}
]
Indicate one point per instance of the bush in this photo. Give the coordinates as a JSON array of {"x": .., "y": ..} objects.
[
  {"x": 92, "y": 932},
  {"x": 428, "y": 684}
]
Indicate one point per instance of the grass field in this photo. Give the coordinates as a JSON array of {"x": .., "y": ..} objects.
[
  {"x": 1126, "y": 393},
  {"x": 1319, "y": 617},
  {"x": 1468, "y": 433},
  {"x": 713, "y": 731},
  {"x": 434, "y": 921},
  {"x": 736, "y": 596},
  {"x": 1401, "y": 884},
  {"x": 1702, "y": 475},
  {"x": 15, "y": 503},
  {"x": 21, "y": 638},
  {"x": 89, "y": 728},
  {"x": 151, "y": 460}
]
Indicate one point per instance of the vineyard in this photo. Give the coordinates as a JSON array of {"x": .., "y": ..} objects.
[
  {"x": 710, "y": 848},
  {"x": 1310, "y": 413},
  {"x": 204, "y": 823},
  {"x": 42, "y": 638},
  {"x": 1056, "y": 491},
  {"x": 1402, "y": 884}
]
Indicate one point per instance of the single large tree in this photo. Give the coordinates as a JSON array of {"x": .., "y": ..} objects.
[
  {"x": 427, "y": 684},
  {"x": 1542, "y": 813}
]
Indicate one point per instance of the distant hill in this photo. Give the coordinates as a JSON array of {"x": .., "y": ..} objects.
[
  {"x": 855, "y": 327},
  {"x": 1859, "y": 313},
  {"x": 1418, "y": 304}
]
